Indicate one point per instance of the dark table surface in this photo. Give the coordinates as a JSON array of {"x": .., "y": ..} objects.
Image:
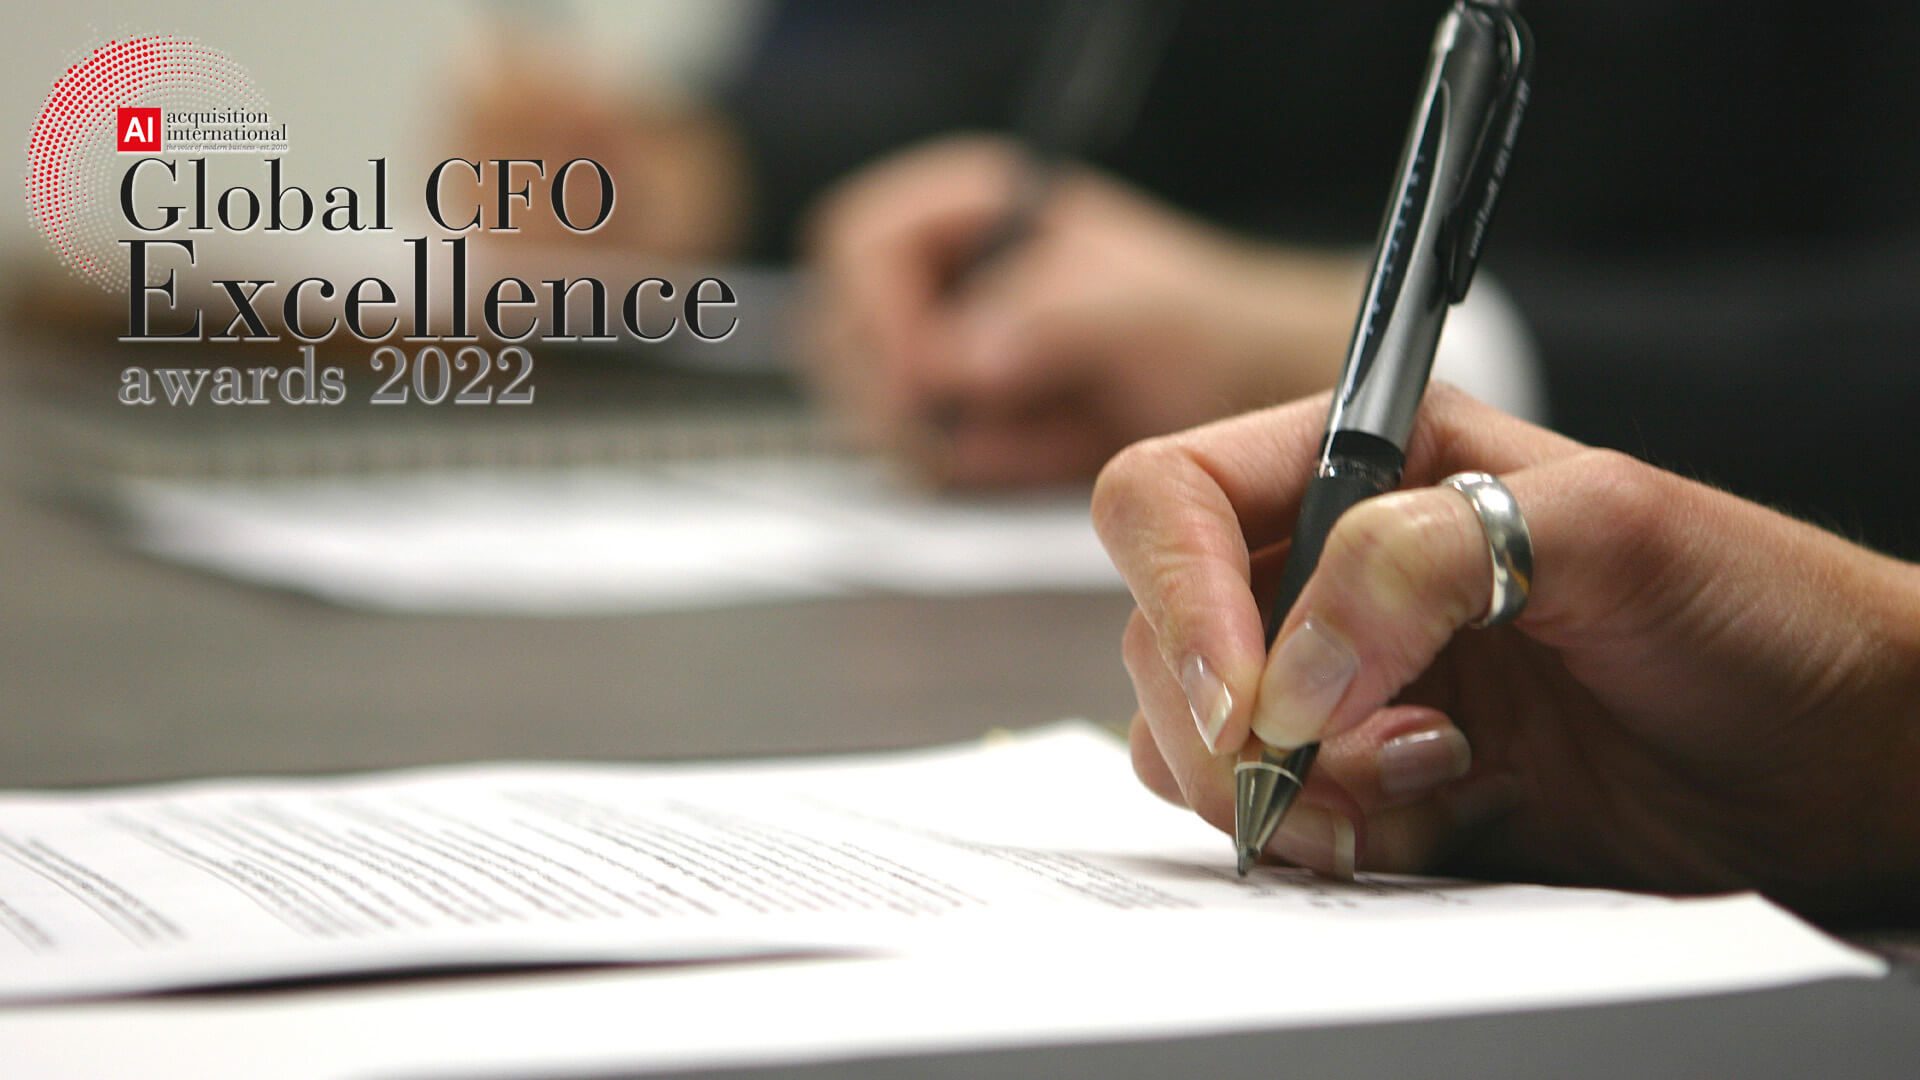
[{"x": 116, "y": 668}]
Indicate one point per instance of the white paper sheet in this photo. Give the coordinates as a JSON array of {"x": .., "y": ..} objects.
[
  {"x": 1021, "y": 892},
  {"x": 599, "y": 539}
]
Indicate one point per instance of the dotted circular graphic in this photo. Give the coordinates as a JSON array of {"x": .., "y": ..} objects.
[{"x": 72, "y": 164}]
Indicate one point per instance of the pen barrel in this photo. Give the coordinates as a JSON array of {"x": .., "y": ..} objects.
[
  {"x": 1434, "y": 221},
  {"x": 1344, "y": 479}
]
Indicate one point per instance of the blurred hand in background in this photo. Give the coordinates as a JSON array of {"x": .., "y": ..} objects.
[{"x": 1114, "y": 318}]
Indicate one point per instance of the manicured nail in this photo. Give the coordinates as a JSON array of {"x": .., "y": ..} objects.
[
  {"x": 1421, "y": 760},
  {"x": 1208, "y": 699},
  {"x": 1318, "y": 838},
  {"x": 1306, "y": 677}
]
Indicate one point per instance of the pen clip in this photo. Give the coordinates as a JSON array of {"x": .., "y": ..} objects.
[{"x": 1465, "y": 229}]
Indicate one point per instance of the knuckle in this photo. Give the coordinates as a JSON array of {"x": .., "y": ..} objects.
[
  {"x": 1127, "y": 479},
  {"x": 1623, "y": 490},
  {"x": 1642, "y": 507},
  {"x": 1449, "y": 395},
  {"x": 1375, "y": 538},
  {"x": 1394, "y": 549}
]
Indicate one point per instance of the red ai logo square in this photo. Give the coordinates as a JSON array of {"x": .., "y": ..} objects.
[{"x": 138, "y": 130}]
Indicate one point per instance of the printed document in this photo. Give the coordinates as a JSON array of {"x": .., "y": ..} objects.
[{"x": 1031, "y": 868}]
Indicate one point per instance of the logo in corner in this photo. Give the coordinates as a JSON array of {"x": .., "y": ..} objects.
[{"x": 148, "y": 95}]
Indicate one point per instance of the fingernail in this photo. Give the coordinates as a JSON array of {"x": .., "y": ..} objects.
[
  {"x": 1422, "y": 760},
  {"x": 1208, "y": 699},
  {"x": 1305, "y": 679},
  {"x": 1318, "y": 838}
]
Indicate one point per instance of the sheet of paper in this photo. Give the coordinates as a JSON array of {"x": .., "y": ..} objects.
[
  {"x": 669, "y": 536},
  {"x": 1018, "y": 892}
]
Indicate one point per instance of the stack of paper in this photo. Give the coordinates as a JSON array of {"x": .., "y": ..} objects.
[{"x": 1021, "y": 891}]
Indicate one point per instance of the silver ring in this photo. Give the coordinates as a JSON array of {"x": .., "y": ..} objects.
[{"x": 1509, "y": 544}]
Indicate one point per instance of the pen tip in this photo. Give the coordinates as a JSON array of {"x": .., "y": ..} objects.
[{"x": 1263, "y": 790}]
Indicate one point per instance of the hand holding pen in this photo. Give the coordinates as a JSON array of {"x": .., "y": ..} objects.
[
  {"x": 1540, "y": 661},
  {"x": 1699, "y": 695}
]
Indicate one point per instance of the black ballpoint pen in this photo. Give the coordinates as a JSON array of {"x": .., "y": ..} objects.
[{"x": 1450, "y": 172}]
